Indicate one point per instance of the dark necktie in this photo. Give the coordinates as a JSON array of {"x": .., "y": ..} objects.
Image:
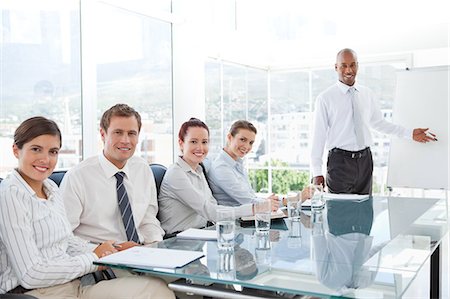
[
  {"x": 357, "y": 118},
  {"x": 125, "y": 208}
]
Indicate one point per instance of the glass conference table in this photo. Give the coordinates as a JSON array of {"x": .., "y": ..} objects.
[{"x": 350, "y": 248}]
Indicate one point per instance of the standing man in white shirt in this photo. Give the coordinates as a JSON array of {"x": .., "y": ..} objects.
[
  {"x": 91, "y": 194},
  {"x": 344, "y": 114}
]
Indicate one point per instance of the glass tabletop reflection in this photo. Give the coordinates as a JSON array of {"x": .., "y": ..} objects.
[{"x": 351, "y": 248}]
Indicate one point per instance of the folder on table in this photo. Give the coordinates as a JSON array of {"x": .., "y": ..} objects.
[{"x": 141, "y": 257}]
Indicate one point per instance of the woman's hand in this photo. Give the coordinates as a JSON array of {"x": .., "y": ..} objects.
[
  {"x": 275, "y": 203},
  {"x": 307, "y": 193},
  {"x": 104, "y": 249},
  {"x": 125, "y": 245}
]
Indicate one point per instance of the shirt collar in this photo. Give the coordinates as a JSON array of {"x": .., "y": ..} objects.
[
  {"x": 186, "y": 167},
  {"x": 111, "y": 169},
  {"x": 49, "y": 188},
  {"x": 230, "y": 161},
  {"x": 344, "y": 87}
]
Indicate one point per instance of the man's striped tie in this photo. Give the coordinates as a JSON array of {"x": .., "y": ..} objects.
[{"x": 125, "y": 208}]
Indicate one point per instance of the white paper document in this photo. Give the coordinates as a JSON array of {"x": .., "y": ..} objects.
[
  {"x": 354, "y": 197},
  {"x": 306, "y": 205},
  {"x": 198, "y": 234},
  {"x": 147, "y": 257}
]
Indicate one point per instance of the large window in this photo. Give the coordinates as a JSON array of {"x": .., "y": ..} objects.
[
  {"x": 236, "y": 92},
  {"x": 290, "y": 119},
  {"x": 134, "y": 66},
  {"x": 40, "y": 73}
]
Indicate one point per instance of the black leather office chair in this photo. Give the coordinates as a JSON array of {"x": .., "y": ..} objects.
[
  {"x": 57, "y": 176},
  {"x": 1, "y": 179},
  {"x": 158, "y": 172}
]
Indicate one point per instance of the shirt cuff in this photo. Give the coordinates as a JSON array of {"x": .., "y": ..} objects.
[
  {"x": 408, "y": 133},
  {"x": 317, "y": 171},
  {"x": 91, "y": 246},
  {"x": 93, "y": 267},
  {"x": 244, "y": 210},
  {"x": 151, "y": 238}
]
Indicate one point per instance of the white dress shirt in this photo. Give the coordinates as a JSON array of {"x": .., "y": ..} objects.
[
  {"x": 333, "y": 122},
  {"x": 340, "y": 260},
  {"x": 90, "y": 197},
  {"x": 229, "y": 181},
  {"x": 186, "y": 201},
  {"x": 37, "y": 246}
]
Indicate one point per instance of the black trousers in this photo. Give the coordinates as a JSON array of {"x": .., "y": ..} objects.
[{"x": 349, "y": 172}]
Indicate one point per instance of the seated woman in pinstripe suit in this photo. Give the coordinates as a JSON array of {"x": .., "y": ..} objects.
[{"x": 39, "y": 254}]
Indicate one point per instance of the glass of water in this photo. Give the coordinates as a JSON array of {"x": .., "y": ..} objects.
[
  {"x": 225, "y": 227},
  {"x": 317, "y": 200},
  {"x": 262, "y": 208},
  {"x": 294, "y": 209},
  {"x": 226, "y": 265},
  {"x": 262, "y": 249}
]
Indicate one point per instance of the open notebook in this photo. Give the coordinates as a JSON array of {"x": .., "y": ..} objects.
[
  {"x": 147, "y": 257},
  {"x": 275, "y": 215}
]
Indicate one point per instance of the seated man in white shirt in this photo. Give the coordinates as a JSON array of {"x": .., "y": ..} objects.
[{"x": 112, "y": 196}]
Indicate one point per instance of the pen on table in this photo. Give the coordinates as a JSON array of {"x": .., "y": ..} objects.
[
  {"x": 115, "y": 244},
  {"x": 431, "y": 135}
]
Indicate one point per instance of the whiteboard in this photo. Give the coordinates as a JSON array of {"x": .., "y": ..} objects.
[{"x": 422, "y": 101}]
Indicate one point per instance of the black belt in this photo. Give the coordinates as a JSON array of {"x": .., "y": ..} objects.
[
  {"x": 353, "y": 155},
  {"x": 106, "y": 274},
  {"x": 19, "y": 290}
]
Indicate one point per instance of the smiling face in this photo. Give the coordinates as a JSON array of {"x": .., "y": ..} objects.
[
  {"x": 347, "y": 67},
  {"x": 240, "y": 144},
  {"x": 195, "y": 146},
  {"x": 37, "y": 159},
  {"x": 120, "y": 139}
]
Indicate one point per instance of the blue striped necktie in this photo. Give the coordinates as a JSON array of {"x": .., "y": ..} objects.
[{"x": 125, "y": 208}]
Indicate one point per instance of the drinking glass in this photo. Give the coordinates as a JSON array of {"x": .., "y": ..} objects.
[
  {"x": 226, "y": 265},
  {"x": 262, "y": 249},
  {"x": 291, "y": 196},
  {"x": 294, "y": 209},
  {"x": 225, "y": 227},
  {"x": 262, "y": 209},
  {"x": 317, "y": 222},
  {"x": 317, "y": 201}
]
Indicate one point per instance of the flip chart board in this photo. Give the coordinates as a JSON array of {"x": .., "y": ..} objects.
[{"x": 422, "y": 101}]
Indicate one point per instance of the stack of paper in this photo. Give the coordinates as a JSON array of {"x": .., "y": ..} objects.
[
  {"x": 306, "y": 205},
  {"x": 198, "y": 234},
  {"x": 141, "y": 257},
  {"x": 353, "y": 197}
]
